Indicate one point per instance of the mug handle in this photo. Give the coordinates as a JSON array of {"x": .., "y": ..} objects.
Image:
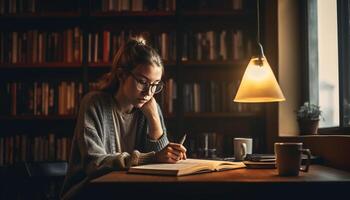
[
  {"x": 243, "y": 150},
  {"x": 308, "y": 161}
]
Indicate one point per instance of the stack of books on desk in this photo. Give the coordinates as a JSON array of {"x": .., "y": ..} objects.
[
  {"x": 268, "y": 161},
  {"x": 260, "y": 161}
]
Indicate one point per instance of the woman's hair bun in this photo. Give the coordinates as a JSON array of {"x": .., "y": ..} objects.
[{"x": 137, "y": 40}]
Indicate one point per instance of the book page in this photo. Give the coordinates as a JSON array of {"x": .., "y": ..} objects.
[
  {"x": 215, "y": 164},
  {"x": 182, "y": 167},
  {"x": 192, "y": 164},
  {"x": 228, "y": 166},
  {"x": 167, "y": 166}
]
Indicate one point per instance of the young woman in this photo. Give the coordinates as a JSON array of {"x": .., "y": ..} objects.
[{"x": 121, "y": 125}]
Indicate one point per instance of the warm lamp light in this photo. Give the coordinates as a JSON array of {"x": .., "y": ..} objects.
[{"x": 259, "y": 83}]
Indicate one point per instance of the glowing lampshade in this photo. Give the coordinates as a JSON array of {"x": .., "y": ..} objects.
[{"x": 259, "y": 84}]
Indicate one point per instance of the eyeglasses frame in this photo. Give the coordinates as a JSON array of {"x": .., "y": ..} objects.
[{"x": 146, "y": 86}]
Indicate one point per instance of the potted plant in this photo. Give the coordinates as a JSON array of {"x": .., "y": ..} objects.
[{"x": 308, "y": 117}]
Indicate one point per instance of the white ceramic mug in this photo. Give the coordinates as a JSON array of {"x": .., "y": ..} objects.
[{"x": 242, "y": 147}]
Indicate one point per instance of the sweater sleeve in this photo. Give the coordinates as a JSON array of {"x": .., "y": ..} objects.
[
  {"x": 91, "y": 153},
  {"x": 89, "y": 160},
  {"x": 97, "y": 160},
  {"x": 92, "y": 147}
]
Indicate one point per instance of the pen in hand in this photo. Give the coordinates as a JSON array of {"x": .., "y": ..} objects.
[
  {"x": 183, "y": 139},
  {"x": 182, "y": 142}
]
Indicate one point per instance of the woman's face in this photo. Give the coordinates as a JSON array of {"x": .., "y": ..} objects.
[{"x": 135, "y": 81}]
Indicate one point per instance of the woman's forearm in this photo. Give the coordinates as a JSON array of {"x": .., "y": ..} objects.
[{"x": 155, "y": 126}]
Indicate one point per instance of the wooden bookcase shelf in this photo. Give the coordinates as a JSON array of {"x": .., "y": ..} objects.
[
  {"x": 208, "y": 13},
  {"x": 108, "y": 65},
  {"x": 133, "y": 14},
  {"x": 222, "y": 38},
  {"x": 206, "y": 52},
  {"x": 38, "y": 118},
  {"x": 223, "y": 115},
  {"x": 38, "y": 17},
  {"x": 224, "y": 64},
  {"x": 41, "y": 65}
]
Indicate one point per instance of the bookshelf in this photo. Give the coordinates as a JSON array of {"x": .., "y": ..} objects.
[
  {"x": 62, "y": 47},
  {"x": 52, "y": 53}
]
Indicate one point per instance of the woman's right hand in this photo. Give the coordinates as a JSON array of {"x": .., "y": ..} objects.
[{"x": 172, "y": 153}]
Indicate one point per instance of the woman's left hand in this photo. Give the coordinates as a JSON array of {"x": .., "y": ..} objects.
[{"x": 149, "y": 109}]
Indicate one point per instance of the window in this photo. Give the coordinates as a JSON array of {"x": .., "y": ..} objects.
[{"x": 328, "y": 64}]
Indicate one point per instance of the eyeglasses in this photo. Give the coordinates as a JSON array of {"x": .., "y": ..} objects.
[{"x": 145, "y": 86}]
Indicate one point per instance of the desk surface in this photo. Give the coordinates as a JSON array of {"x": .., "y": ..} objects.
[
  {"x": 317, "y": 173},
  {"x": 320, "y": 180}
]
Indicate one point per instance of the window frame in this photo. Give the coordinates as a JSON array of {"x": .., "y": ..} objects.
[{"x": 310, "y": 90}]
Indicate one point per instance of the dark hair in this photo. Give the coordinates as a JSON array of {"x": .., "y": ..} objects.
[{"x": 130, "y": 55}]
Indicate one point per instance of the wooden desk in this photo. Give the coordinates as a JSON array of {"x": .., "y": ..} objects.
[{"x": 319, "y": 181}]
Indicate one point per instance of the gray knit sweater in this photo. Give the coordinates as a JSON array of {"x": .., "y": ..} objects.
[{"x": 94, "y": 151}]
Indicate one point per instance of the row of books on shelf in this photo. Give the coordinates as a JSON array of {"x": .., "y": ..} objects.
[
  {"x": 200, "y": 46},
  {"x": 167, "y": 98},
  {"x": 41, "y": 98},
  {"x": 34, "y": 46},
  {"x": 20, "y": 148},
  {"x": 58, "y": 98},
  {"x": 163, "y": 5},
  {"x": 132, "y": 5},
  {"x": 102, "y": 45},
  {"x": 63, "y": 97},
  {"x": 215, "y": 45},
  {"x": 18, "y": 6},
  {"x": 37, "y": 6},
  {"x": 214, "y": 5},
  {"x": 13, "y": 7},
  {"x": 214, "y": 96}
]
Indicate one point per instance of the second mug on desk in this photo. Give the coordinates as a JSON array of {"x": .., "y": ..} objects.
[
  {"x": 242, "y": 147},
  {"x": 288, "y": 158}
]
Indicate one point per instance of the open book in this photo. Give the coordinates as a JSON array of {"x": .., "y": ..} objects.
[{"x": 185, "y": 167}]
